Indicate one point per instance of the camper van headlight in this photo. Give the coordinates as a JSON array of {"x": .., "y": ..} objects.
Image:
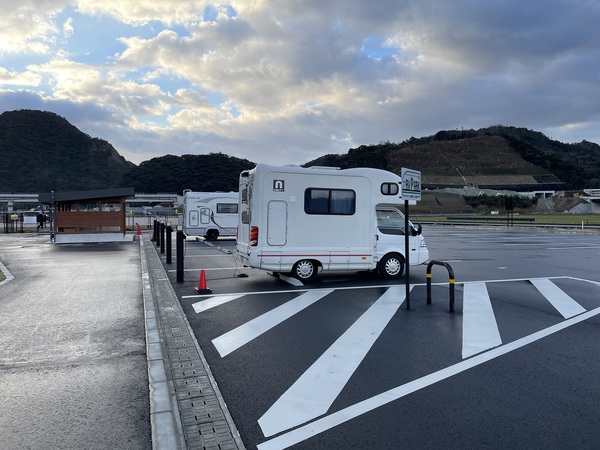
[{"x": 423, "y": 243}]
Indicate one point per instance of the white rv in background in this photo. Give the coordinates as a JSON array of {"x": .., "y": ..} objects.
[
  {"x": 301, "y": 220},
  {"x": 210, "y": 214}
]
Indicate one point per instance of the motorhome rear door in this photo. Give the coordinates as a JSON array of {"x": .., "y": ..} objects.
[{"x": 277, "y": 223}]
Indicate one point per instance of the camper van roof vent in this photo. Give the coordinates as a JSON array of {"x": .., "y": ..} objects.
[{"x": 324, "y": 167}]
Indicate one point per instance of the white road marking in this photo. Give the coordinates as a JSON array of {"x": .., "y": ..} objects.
[
  {"x": 212, "y": 255},
  {"x": 214, "y": 301},
  {"x": 375, "y": 286},
  {"x": 314, "y": 392},
  {"x": 564, "y": 304},
  {"x": 572, "y": 247},
  {"x": 480, "y": 330},
  {"x": 365, "y": 406},
  {"x": 291, "y": 280},
  {"x": 234, "y": 339},
  {"x": 7, "y": 275},
  {"x": 207, "y": 270}
]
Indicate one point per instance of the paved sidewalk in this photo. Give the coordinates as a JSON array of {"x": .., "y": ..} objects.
[
  {"x": 97, "y": 352},
  {"x": 73, "y": 366}
]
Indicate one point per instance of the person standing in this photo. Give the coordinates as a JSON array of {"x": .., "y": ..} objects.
[{"x": 40, "y": 220}]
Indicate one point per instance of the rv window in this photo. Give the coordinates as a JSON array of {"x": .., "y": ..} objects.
[
  {"x": 245, "y": 195},
  {"x": 329, "y": 201},
  {"x": 389, "y": 188},
  {"x": 245, "y": 217},
  {"x": 227, "y": 208}
]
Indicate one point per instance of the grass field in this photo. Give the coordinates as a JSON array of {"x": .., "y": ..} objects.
[{"x": 539, "y": 219}]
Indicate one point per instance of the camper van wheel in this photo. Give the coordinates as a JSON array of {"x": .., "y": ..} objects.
[
  {"x": 305, "y": 270},
  {"x": 212, "y": 235},
  {"x": 391, "y": 266}
]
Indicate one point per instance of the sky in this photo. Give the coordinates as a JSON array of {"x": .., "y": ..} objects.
[{"x": 287, "y": 81}]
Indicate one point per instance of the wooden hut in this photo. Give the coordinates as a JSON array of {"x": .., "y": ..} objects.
[{"x": 88, "y": 216}]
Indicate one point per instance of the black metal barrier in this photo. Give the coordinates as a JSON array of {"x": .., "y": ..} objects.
[
  {"x": 158, "y": 234},
  {"x": 162, "y": 237},
  {"x": 169, "y": 231},
  {"x": 179, "y": 253},
  {"x": 451, "y": 281}
]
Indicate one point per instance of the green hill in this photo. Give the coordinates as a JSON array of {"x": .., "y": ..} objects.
[
  {"x": 202, "y": 173},
  {"x": 497, "y": 157},
  {"x": 41, "y": 151}
]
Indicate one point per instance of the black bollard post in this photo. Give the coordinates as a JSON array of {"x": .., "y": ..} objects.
[
  {"x": 158, "y": 233},
  {"x": 155, "y": 234},
  {"x": 179, "y": 253},
  {"x": 162, "y": 237},
  {"x": 169, "y": 241}
]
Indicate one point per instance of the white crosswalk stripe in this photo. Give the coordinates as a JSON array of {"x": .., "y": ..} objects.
[
  {"x": 243, "y": 334},
  {"x": 480, "y": 330},
  {"x": 313, "y": 393},
  {"x": 559, "y": 299}
]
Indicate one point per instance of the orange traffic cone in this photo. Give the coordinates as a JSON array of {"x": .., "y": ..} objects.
[{"x": 202, "y": 289}]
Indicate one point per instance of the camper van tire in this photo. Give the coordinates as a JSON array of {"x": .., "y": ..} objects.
[
  {"x": 212, "y": 235},
  {"x": 391, "y": 266},
  {"x": 305, "y": 270}
]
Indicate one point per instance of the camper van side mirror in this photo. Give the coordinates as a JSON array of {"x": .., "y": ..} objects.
[{"x": 417, "y": 229}]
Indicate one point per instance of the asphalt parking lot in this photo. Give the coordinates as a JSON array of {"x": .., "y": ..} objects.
[
  {"x": 342, "y": 364},
  {"x": 263, "y": 363}
]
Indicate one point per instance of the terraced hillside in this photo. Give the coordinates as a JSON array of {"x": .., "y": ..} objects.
[{"x": 482, "y": 161}]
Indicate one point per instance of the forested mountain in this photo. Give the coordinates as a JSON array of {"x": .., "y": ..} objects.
[
  {"x": 41, "y": 151},
  {"x": 494, "y": 156},
  {"x": 203, "y": 173}
]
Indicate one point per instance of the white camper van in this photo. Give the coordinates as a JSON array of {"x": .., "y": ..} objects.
[
  {"x": 301, "y": 220},
  {"x": 210, "y": 214}
]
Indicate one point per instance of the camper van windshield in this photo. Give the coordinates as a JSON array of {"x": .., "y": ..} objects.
[{"x": 390, "y": 221}]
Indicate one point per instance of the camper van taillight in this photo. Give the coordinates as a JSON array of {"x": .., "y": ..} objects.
[{"x": 253, "y": 236}]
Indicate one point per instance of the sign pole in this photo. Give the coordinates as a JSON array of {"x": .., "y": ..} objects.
[
  {"x": 407, "y": 253},
  {"x": 411, "y": 190}
]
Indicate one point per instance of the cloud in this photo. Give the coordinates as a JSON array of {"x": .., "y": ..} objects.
[
  {"x": 68, "y": 27},
  {"x": 18, "y": 79},
  {"x": 27, "y": 26},
  {"x": 285, "y": 82}
]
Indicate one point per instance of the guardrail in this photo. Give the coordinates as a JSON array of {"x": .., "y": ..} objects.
[
  {"x": 451, "y": 281},
  {"x": 492, "y": 219}
]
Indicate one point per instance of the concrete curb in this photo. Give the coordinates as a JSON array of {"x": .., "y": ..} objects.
[
  {"x": 187, "y": 409},
  {"x": 167, "y": 432}
]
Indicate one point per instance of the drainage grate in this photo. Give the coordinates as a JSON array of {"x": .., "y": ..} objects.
[{"x": 204, "y": 417}]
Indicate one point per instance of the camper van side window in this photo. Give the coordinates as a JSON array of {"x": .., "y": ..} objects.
[
  {"x": 389, "y": 188},
  {"x": 227, "y": 208},
  {"x": 329, "y": 201},
  {"x": 245, "y": 195}
]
